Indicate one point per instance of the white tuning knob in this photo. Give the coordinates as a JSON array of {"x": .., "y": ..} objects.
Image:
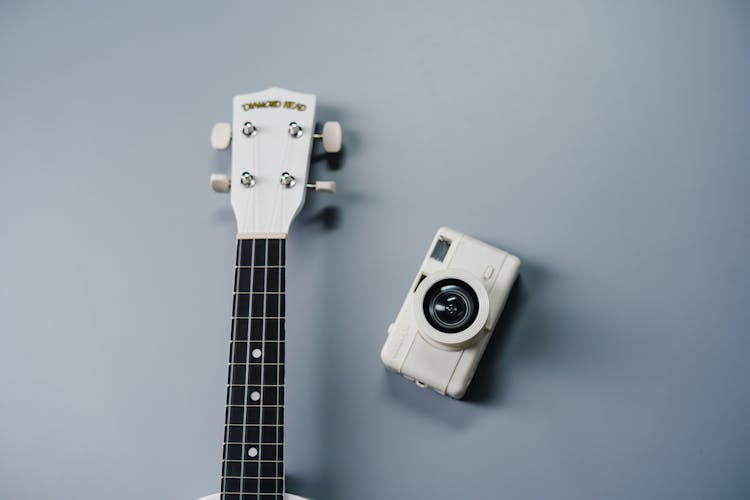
[
  {"x": 323, "y": 186},
  {"x": 221, "y": 136},
  {"x": 331, "y": 137},
  {"x": 219, "y": 183}
]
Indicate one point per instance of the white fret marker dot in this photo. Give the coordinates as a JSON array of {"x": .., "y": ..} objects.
[
  {"x": 253, "y": 452},
  {"x": 257, "y": 353},
  {"x": 255, "y": 395}
]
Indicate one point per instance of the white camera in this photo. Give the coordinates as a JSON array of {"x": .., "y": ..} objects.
[{"x": 450, "y": 312}]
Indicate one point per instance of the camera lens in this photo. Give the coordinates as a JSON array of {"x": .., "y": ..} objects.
[{"x": 450, "y": 306}]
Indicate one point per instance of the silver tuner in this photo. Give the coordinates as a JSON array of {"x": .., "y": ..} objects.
[
  {"x": 221, "y": 136},
  {"x": 287, "y": 180},
  {"x": 331, "y": 137},
  {"x": 247, "y": 179},
  {"x": 323, "y": 186},
  {"x": 295, "y": 130},
  {"x": 219, "y": 183},
  {"x": 248, "y": 129}
]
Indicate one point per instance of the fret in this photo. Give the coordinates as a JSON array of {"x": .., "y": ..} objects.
[
  {"x": 243, "y": 395},
  {"x": 251, "y": 415},
  {"x": 259, "y": 305},
  {"x": 251, "y": 374},
  {"x": 257, "y": 329},
  {"x": 251, "y": 496},
  {"x": 257, "y": 425},
  {"x": 254, "y": 412},
  {"x": 252, "y": 252},
  {"x": 253, "y": 404},
  {"x": 251, "y": 385},
  {"x": 267, "y": 280},
  {"x": 257, "y": 352},
  {"x": 263, "y": 446},
  {"x": 276, "y": 318},
  {"x": 260, "y": 476},
  {"x": 253, "y": 468},
  {"x": 239, "y": 452},
  {"x": 260, "y": 342},
  {"x": 253, "y": 434},
  {"x": 258, "y": 267},
  {"x": 257, "y": 363},
  {"x": 251, "y": 485}
]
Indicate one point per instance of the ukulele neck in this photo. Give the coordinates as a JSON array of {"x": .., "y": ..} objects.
[{"x": 253, "y": 461}]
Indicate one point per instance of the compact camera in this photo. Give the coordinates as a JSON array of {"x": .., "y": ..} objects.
[{"x": 450, "y": 312}]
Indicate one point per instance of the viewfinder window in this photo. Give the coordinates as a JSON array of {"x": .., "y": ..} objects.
[{"x": 441, "y": 249}]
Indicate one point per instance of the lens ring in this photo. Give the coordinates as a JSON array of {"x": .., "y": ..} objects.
[{"x": 450, "y": 305}]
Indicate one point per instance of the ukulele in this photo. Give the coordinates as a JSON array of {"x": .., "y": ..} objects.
[{"x": 271, "y": 138}]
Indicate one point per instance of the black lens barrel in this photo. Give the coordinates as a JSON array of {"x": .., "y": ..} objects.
[{"x": 450, "y": 305}]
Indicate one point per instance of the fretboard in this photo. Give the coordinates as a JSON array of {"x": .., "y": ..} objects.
[{"x": 253, "y": 462}]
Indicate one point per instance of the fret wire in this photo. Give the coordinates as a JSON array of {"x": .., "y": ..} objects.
[
  {"x": 255, "y": 364},
  {"x": 246, "y": 493},
  {"x": 261, "y": 341},
  {"x": 261, "y": 461},
  {"x": 259, "y": 444},
  {"x": 260, "y": 267},
  {"x": 254, "y": 406},
  {"x": 235, "y": 460},
  {"x": 258, "y": 317},
  {"x": 251, "y": 477},
  {"x": 254, "y": 425},
  {"x": 255, "y": 385}
]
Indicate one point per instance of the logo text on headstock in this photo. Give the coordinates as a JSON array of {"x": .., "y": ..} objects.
[{"x": 274, "y": 104}]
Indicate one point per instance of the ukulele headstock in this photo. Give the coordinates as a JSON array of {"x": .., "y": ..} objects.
[{"x": 271, "y": 138}]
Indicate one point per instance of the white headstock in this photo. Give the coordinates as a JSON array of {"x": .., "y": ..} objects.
[{"x": 271, "y": 139}]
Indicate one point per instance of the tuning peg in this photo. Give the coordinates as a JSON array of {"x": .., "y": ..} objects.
[
  {"x": 331, "y": 137},
  {"x": 221, "y": 136},
  {"x": 323, "y": 186},
  {"x": 220, "y": 183}
]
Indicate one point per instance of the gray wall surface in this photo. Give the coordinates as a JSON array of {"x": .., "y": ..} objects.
[{"x": 607, "y": 144}]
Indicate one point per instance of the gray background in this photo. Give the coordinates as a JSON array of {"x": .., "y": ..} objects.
[{"x": 606, "y": 144}]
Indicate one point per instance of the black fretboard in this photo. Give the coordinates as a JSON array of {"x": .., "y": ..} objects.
[{"x": 253, "y": 462}]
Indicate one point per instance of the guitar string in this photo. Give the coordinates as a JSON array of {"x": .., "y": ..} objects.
[
  {"x": 280, "y": 204},
  {"x": 282, "y": 252},
  {"x": 279, "y": 208},
  {"x": 231, "y": 376},
  {"x": 253, "y": 171},
  {"x": 281, "y": 187},
  {"x": 262, "y": 369},
  {"x": 255, "y": 198},
  {"x": 232, "y": 351},
  {"x": 247, "y": 368}
]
